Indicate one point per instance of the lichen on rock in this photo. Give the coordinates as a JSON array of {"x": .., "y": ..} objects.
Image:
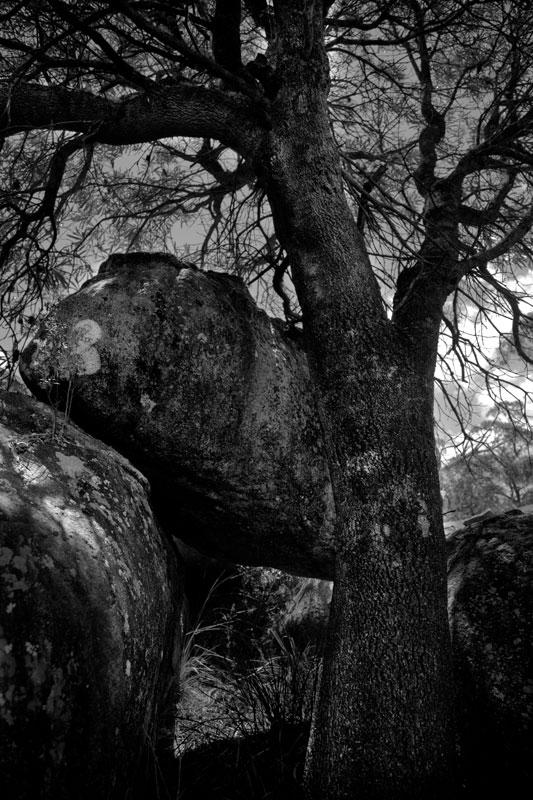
[
  {"x": 89, "y": 612},
  {"x": 208, "y": 396}
]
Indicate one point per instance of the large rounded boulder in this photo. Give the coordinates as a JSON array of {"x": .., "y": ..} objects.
[
  {"x": 490, "y": 580},
  {"x": 90, "y": 606},
  {"x": 181, "y": 372}
]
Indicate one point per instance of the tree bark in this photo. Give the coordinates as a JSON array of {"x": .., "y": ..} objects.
[
  {"x": 181, "y": 109},
  {"x": 383, "y": 722}
]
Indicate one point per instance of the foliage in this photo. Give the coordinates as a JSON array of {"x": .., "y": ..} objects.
[
  {"x": 438, "y": 90},
  {"x": 495, "y": 466}
]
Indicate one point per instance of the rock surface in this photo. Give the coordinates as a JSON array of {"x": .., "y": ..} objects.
[
  {"x": 307, "y": 614},
  {"x": 89, "y": 612},
  {"x": 490, "y": 592},
  {"x": 210, "y": 398}
]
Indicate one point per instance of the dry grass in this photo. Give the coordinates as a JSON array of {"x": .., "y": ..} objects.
[{"x": 242, "y": 728}]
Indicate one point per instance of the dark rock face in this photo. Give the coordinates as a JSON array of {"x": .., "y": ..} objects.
[
  {"x": 490, "y": 590},
  {"x": 89, "y": 612},
  {"x": 307, "y": 614},
  {"x": 183, "y": 374}
]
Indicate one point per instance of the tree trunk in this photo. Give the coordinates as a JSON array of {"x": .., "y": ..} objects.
[{"x": 382, "y": 725}]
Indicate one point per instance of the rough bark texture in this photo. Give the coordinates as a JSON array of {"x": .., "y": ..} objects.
[
  {"x": 383, "y": 724},
  {"x": 491, "y": 618},
  {"x": 182, "y": 373},
  {"x": 90, "y": 614},
  {"x": 195, "y": 109},
  {"x": 490, "y": 568}
]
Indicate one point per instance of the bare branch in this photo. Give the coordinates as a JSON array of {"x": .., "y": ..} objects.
[
  {"x": 76, "y": 22},
  {"x": 261, "y": 15},
  {"x": 514, "y": 305},
  {"x": 481, "y": 217},
  {"x": 435, "y": 127},
  {"x": 481, "y": 259},
  {"x": 192, "y": 55}
]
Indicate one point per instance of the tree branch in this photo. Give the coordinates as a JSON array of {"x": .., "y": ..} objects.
[
  {"x": 178, "y": 110},
  {"x": 481, "y": 259},
  {"x": 261, "y": 15},
  {"x": 123, "y": 67},
  {"x": 481, "y": 217},
  {"x": 435, "y": 128},
  {"x": 191, "y": 55},
  {"x": 227, "y": 34},
  {"x": 514, "y": 305}
]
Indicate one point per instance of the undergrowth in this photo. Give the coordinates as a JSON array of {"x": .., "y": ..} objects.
[{"x": 246, "y": 696}]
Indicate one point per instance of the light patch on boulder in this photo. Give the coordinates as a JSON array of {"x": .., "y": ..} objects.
[
  {"x": 71, "y": 465},
  {"x": 85, "y": 334},
  {"x": 31, "y": 470},
  {"x": 96, "y": 288},
  {"x": 10, "y": 502},
  {"x": 73, "y": 521},
  {"x": 147, "y": 403}
]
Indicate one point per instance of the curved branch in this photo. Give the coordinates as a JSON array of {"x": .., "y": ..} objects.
[
  {"x": 481, "y": 217},
  {"x": 193, "y": 56},
  {"x": 515, "y": 236},
  {"x": 262, "y": 16},
  {"x": 123, "y": 67},
  {"x": 514, "y": 305},
  {"x": 435, "y": 127},
  {"x": 178, "y": 110}
]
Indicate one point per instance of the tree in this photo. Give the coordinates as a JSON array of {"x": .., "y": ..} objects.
[
  {"x": 493, "y": 469},
  {"x": 379, "y": 153}
]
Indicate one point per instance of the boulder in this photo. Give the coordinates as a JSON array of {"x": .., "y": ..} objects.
[
  {"x": 89, "y": 613},
  {"x": 490, "y": 579},
  {"x": 211, "y": 399},
  {"x": 307, "y": 614}
]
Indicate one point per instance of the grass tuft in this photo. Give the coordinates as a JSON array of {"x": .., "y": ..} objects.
[{"x": 243, "y": 721}]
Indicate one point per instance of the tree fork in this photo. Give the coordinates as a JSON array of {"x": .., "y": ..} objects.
[{"x": 383, "y": 724}]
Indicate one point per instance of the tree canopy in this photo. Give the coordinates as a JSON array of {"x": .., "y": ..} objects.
[
  {"x": 494, "y": 467},
  {"x": 122, "y": 121}
]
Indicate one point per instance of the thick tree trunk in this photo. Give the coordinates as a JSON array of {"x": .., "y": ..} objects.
[{"x": 382, "y": 725}]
